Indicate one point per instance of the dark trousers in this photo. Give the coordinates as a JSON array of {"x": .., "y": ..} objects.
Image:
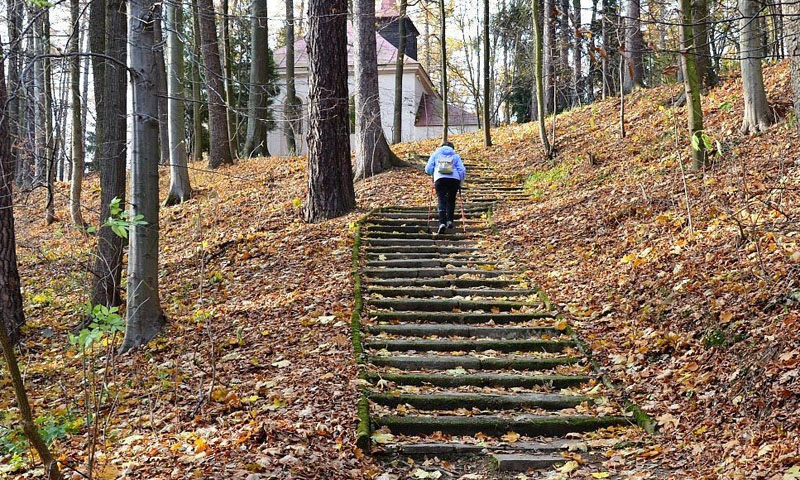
[{"x": 446, "y": 190}]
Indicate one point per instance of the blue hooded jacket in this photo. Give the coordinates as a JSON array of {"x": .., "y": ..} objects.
[{"x": 459, "y": 172}]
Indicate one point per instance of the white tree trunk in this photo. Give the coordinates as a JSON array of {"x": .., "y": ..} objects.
[
  {"x": 757, "y": 116},
  {"x": 144, "y": 316},
  {"x": 180, "y": 189}
]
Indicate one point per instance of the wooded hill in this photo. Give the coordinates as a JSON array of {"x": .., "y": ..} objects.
[{"x": 693, "y": 307}]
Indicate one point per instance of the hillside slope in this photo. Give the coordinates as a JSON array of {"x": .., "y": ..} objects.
[{"x": 694, "y": 310}]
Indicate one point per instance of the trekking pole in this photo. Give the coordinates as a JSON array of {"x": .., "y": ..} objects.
[
  {"x": 463, "y": 215},
  {"x": 430, "y": 202}
]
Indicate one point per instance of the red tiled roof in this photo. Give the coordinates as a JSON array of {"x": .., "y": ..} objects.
[{"x": 430, "y": 114}]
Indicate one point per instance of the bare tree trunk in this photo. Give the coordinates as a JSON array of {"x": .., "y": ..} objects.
[
  {"x": 161, "y": 86},
  {"x": 443, "y": 45},
  {"x": 40, "y": 104},
  {"x": 292, "y": 106},
  {"x": 373, "y": 154},
  {"x": 197, "y": 106},
  {"x": 705, "y": 72},
  {"x": 793, "y": 51},
  {"x": 757, "y": 116},
  {"x": 229, "y": 94},
  {"x": 576, "y": 51},
  {"x": 538, "y": 42},
  {"x": 634, "y": 46},
  {"x": 11, "y": 313},
  {"x": 180, "y": 188},
  {"x": 219, "y": 137},
  {"x": 487, "y": 98},
  {"x": 330, "y": 177},
  {"x": 548, "y": 51},
  {"x": 78, "y": 158},
  {"x": 50, "y": 132},
  {"x": 255, "y": 144},
  {"x": 112, "y": 151},
  {"x": 144, "y": 315},
  {"x": 15, "y": 14},
  {"x": 691, "y": 83},
  {"x": 563, "y": 70},
  {"x": 397, "y": 126}
]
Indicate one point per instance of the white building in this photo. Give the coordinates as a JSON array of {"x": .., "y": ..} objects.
[{"x": 422, "y": 104}]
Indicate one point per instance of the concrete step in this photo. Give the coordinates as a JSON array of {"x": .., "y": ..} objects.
[
  {"x": 446, "y": 331},
  {"x": 449, "y": 292},
  {"x": 435, "y": 248},
  {"x": 481, "y": 379},
  {"x": 482, "y": 401},
  {"x": 445, "y": 304},
  {"x": 496, "y": 425},
  {"x": 425, "y": 263},
  {"x": 455, "y": 448},
  {"x": 459, "y": 318},
  {"x": 443, "y": 282},
  {"x": 441, "y": 241},
  {"x": 447, "y": 345},
  {"x": 450, "y": 235},
  {"x": 433, "y": 272},
  {"x": 448, "y": 362},
  {"x": 417, "y": 229},
  {"x": 522, "y": 462}
]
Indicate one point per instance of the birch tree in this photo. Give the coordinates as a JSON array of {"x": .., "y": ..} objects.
[
  {"x": 487, "y": 99},
  {"x": 443, "y": 47},
  {"x": 538, "y": 42},
  {"x": 373, "y": 154}
]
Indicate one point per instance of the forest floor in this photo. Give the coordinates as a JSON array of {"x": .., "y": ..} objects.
[{"x": 694, "y": 310}]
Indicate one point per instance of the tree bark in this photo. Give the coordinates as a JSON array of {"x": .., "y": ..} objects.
[
  {"x": 229, "y": 94},
  {"x": 255, "y": 144},
  {"x": 219, "y": 137},
  {"x": 373, "y": 154},
  {"x": 705, "y": 72},
  {"x": 691, "y": 84},
  {"x": 15, "y": 14},
  {"x": 180, "y": 188},
  {"x": 576, "y": 50},
  {"x": 161, "y": 87},
  {"x": 197, "y": 106},
  {"x": 144, "y": 316},
  {"x": 330, "y": 177},
  {"x": 634, "y": 46},
  {"x": 50, "y": 132},
  {"x": 112, "y": 151},
  {"x": 548, "y": 51},
  {"x": 487, "y": 98},
  {"x": 292, "y": 106},
  {"x": 78, "y": 157},
  {"x": 538, "y": 41},
  {"x": 397, "y": 124},
  {"x": 757, "y": 116},
  {"x": 443, "y": 45},
  {"x": 11, "y": 314},
  {"x": 793, "y": 50}
]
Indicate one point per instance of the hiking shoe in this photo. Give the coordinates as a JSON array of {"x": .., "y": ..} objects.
[
  {"x": 450, "y": 225},
  {"x": 442, "y": 228}
]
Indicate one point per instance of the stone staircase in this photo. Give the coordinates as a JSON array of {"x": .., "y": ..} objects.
[{"x": 461, "y": 356}]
